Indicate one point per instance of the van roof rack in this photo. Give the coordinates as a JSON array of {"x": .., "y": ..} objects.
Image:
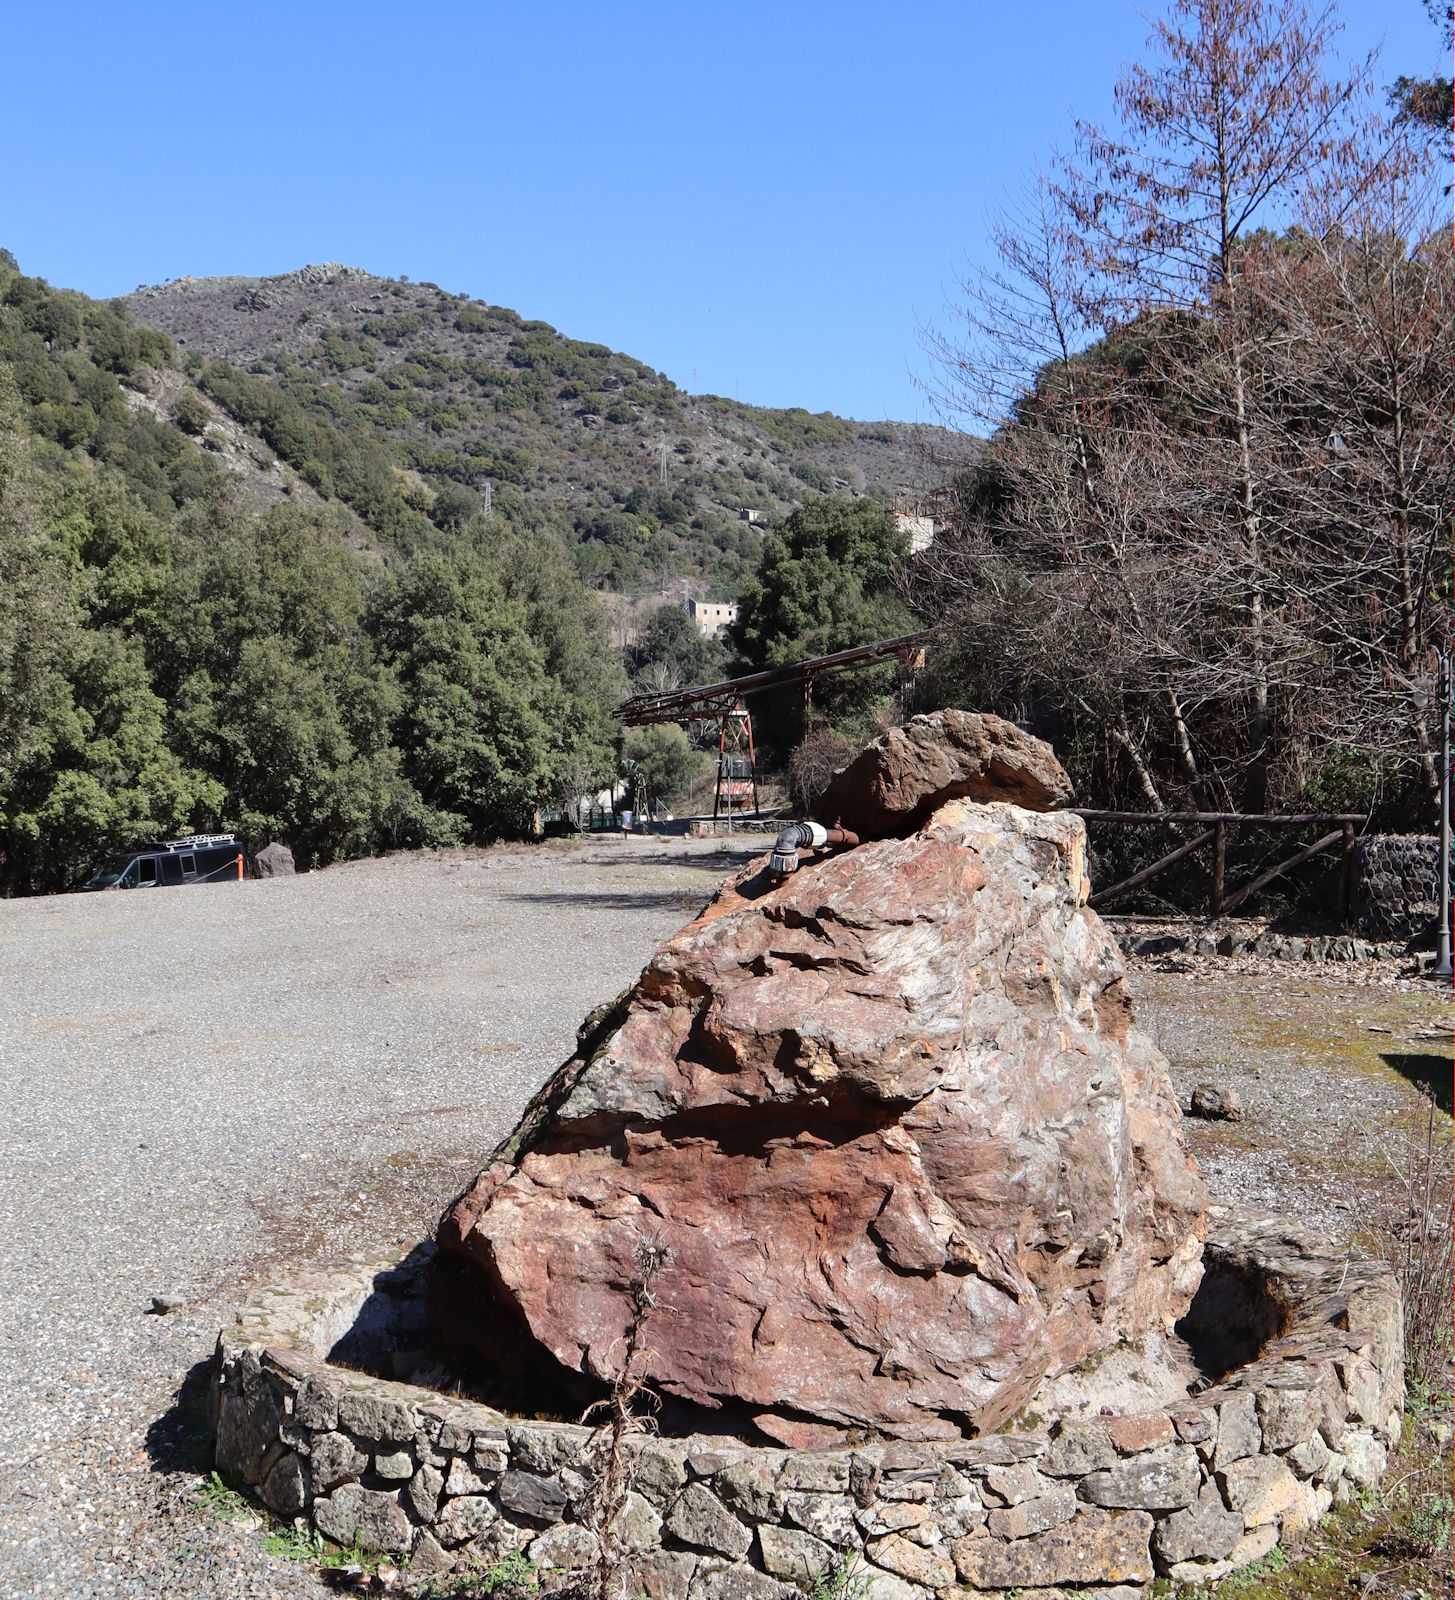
[{"x": 193, "y": 841}]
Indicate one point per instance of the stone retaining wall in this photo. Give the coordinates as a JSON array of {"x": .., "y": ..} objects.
[
  {"x": 1337, "y": 947},
  {"x": 1193, "y": 1491},
  {"x": 1396, "y": 886}
]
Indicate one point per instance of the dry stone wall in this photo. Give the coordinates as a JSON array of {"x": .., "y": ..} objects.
[{"x": 1193, "y": 1492}]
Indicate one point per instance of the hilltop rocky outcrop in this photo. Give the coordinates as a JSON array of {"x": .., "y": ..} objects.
[{"x": 889, "y": 1118}]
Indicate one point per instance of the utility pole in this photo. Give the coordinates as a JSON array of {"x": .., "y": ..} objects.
[
  {"x": 662, "y": 461},
  {"x": 1442, "y": 967}
]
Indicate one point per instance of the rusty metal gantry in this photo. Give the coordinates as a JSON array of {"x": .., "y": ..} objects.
[
  {"x": 712, "y": 701},
  {"x": 723, "y": 703}
]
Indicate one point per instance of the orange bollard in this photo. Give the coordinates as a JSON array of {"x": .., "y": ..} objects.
[{"x": 239, "y": 866}]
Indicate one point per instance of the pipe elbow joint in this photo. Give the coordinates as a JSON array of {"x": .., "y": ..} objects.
[{"x": 795, "y": 837}]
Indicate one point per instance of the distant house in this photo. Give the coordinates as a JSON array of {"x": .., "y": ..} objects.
[
  {"x": 920, "y": 531},
  {"x": 711, "y": 619},
  {"x": 752, "y": 517}
]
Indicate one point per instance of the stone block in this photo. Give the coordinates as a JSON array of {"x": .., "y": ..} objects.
[
  {"x": 659, "y": 1575},
  {"x": 1260, "y": 1487},
  {"x": 1287, "y": 1417},
  {"x": 1365, "y": 1459},
  {"x": 1195, "y": 1425},
  {"x": 822, "y": 1474},
  {"x": 1204, "y": 1531},
  {"x": 424, "y": 1492},
  {"x": 638, "y": 1525},
  {"x": 1238, "y": 1434},
  {"x": 489, "y": 1455},
  {"x": 933, "y": 1568},
  {"x": 1094, "y": 1547},
  {"x": 466, "y": 1519},
  {"x": 395, "y": 1464},
  {"x": 826, "y": 1516},
  {"x": 528, "y": 1494},
  {"x": 749, "y": 1489},
  {"x": 1027, "y": 1517},
  {"x": 793, "y": 1554},
  {"x": 567, "y": 1545},
  {"x": 894, "y": 1518},
  {"x": 286, "y": 1487},
  {"x": 1156, "y": 1480},
  {"x": 461, "y": 1478},
  {"x": 1362, "y": 1398},
  {"x": 1253, "y": 1546},
  {"x": 1311, "y": 1458},
  {"x": 723, "y": 1580},
  {"x": 700, "y": 1519},
  {"x": 315, "y": 1406},
  {"x": 541, "y": 1449},
  {"x": 1079, "y": 1448},
  {"x": 874, "y": 1583},
  {"x": 1008, "y": 1486},
  {"x": 1133, "y": 1434},
  {"x": 335, "y": 1459},
  {"x": 430, "y": 1559},
  {"x": 376, "y": 1416},
  {"x": 374, "y": 1516},
  {"x": 659, "y": 1472},
  {"x": 249, "y": 1423}
]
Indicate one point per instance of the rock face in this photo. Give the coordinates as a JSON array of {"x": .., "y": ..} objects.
[
  {"x": 905, "y": 775},
  {"x": 891, "y": 1121}
]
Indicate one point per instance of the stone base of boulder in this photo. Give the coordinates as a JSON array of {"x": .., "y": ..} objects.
[{"x": 1192, "y": 1491}]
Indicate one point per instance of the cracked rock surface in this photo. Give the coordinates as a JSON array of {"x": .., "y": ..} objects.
[{"x": 892, "y": 1122}]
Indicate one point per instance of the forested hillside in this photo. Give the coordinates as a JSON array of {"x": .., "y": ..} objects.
[
  {"x": 190, "y": 637},
  {"x": 438, "y": 396},
  {"x": 255, "y": 578}
]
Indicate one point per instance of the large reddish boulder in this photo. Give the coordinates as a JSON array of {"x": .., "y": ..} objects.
[
  {"x": 904, "y": 776},
  {"x": 894, "y": 1127}
]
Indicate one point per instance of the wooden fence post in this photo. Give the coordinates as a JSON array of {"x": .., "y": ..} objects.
[
  {"x": 1346, "y": 875},
  {"x": 1220, "y": 861}
]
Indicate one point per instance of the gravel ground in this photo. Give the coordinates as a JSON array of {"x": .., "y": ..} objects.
[
  {"x": 1328, "y": 1062},
  {"x": 202, "y": 1086},
  {"x": 197, "y": 1085}
]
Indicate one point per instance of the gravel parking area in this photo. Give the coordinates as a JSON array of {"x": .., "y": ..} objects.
[{"x": 198, "y": 1084}]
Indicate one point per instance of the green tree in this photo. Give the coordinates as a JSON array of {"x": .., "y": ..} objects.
[
  {"x": 658, "y": 762},
  {"x": 670, "y": 653},
  {"x": 475, "y": 718},
  {"x": 823, "y": 584}
]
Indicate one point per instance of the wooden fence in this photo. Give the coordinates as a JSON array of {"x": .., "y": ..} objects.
[{"x": 1215, "y": 834}]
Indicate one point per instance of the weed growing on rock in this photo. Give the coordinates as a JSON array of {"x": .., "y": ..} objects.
[
  {"x": 844, "y": 1579},
  {"x": 607, "y": 1463}
]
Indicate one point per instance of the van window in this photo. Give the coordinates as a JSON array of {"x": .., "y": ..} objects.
[
  {"x": 171, "y": 869},
  {"x": 109, "y": 873},
  {"x": 189, "y": 866},
  {"x": 147, "y": 870}
]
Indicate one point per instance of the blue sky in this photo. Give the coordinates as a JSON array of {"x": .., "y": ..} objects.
[{"x": 761, "y": 200}]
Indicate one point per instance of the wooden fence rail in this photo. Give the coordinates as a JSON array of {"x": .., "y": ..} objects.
[{"x": 1216, "y": 835}]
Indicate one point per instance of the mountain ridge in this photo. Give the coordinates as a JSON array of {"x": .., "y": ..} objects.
[{"x": 644, "y": 481}]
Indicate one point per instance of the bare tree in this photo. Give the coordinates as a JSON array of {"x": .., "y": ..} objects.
[{"x": 1237, "y": 117}]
